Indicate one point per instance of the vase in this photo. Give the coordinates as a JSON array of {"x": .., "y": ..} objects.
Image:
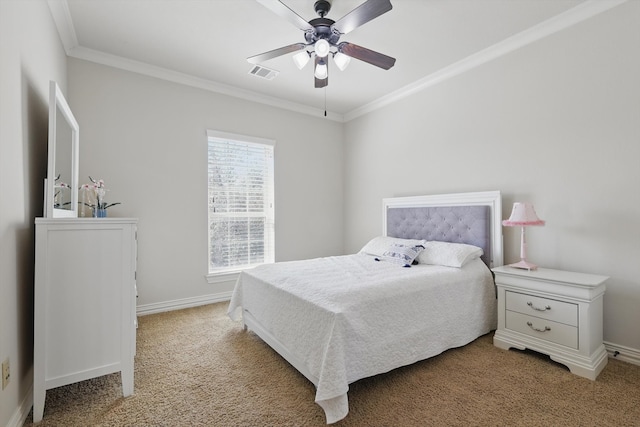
[
  {"x": 83, "y": 204},
  {"x": 99, "y": 213}
]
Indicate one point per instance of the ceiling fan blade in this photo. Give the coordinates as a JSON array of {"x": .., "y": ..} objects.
[
  {"x": 366, "y": 55},
  {"x": 283, "y": 11},
  {"x": 320, "y": 83},
  {"x": 361, "y": 15},
  {"x": 276, "y": 52}
]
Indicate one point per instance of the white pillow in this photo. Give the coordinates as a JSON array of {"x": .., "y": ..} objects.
[
  {"x": 379, "y": 245},
  {"x": 448, "y": 254},
  {"x": 401, "y": 254}
]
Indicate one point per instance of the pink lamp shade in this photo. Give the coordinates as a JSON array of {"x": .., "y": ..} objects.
[{"x": 523, "y": 215}]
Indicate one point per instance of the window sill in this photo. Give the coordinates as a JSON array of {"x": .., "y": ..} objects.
[{"x": 228, "y": 276}]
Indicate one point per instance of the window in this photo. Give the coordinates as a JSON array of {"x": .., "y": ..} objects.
[{"x": 241, "y": 212}]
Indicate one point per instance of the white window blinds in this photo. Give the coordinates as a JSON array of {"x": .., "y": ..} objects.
[{"x": 241, "y": 212}]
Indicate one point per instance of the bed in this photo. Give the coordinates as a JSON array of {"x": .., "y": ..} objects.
[{"x": 340, "y": 319}]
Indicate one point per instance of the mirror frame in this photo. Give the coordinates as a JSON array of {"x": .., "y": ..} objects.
[{"x": 58, "y": 104}]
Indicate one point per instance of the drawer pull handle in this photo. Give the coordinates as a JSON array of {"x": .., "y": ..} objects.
[
  {"x": 546, "y": 328},
  {"x": 546, "y": 307}
]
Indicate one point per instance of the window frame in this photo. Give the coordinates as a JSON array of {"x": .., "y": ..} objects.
[{"x": 231, "y": 273}]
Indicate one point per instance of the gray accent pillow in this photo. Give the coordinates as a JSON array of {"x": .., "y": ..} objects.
[
  {"x": 402, "y": 254},
  {"x": 380, "y": 244}
]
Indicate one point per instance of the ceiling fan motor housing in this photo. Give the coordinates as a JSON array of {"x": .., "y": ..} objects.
[{"x": 322, "y": 30}]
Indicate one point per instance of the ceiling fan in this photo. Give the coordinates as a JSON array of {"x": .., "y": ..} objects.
[{"x": 322, "y": 37}]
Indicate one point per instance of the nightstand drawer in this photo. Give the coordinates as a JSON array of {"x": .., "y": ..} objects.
[
  {"x": 545, "y": 308},
  {"x": 548, "y": 330}
]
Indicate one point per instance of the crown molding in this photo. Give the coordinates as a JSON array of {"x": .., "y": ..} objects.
[
  {"x": 139, "y": 67},
  {"x": 62, "y": 18},
  {"x": 573, "y": 16},
  {"x": 64, "y": 23}
]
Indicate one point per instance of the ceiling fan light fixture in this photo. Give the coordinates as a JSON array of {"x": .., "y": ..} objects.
[
  {"x": 301, "y": 59},
  {"x": 322, "y": 37},
  {"x": 341, "y": 60},
  {"x": 322, "y": 47},
  {"x": 321, "y": 71}
]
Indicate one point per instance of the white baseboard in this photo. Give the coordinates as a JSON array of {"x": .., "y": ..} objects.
[
  {"x": 626, "y": 354},
  {"x": 179, "y": 304},
  {"x": 22, "y": 411}
]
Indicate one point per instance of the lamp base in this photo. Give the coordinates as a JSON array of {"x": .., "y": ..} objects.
[{"x": 524, "y": 264}]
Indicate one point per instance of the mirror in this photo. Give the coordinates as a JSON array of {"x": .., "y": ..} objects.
[{"x": 61, "y": 195}]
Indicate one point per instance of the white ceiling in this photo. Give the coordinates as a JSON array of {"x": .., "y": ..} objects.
[{"x": 206, "y": 43}]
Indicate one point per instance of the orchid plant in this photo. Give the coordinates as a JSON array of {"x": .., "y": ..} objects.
[
  {"x": 58, "y": 195},
  {"x": 97, "y": 191}
]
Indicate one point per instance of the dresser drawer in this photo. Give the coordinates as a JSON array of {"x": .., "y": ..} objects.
[
  {"x": 548, "y": 330},
  {"x": 545, "y": 308}
]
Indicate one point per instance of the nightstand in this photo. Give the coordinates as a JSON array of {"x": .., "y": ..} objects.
[{"x": 558, "y": 313}]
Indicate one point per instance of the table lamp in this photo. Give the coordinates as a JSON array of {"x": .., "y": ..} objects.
[{"x": 523, "y": 215}]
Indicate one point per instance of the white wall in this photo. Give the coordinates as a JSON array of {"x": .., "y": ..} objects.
[
  {"x": 31, "y": 55},
  {"x": 556, "y": 123},
  {"x": 146, "y": 138}
]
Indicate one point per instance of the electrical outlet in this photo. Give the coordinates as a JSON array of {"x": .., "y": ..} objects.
[{"x": 6, "y": 373}]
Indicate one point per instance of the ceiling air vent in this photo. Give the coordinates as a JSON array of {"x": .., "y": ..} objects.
[{"x": 264, "y": 72}]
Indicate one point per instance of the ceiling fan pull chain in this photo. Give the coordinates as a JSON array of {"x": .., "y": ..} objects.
[{"x": 325, "y": 101}]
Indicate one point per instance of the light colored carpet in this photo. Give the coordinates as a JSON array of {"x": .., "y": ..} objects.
[{"x": 196, "y": 367}]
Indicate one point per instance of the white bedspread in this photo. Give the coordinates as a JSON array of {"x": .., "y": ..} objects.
[{"x": 350, "y": 317}]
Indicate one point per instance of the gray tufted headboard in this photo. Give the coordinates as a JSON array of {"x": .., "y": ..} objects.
[
  {"x": 457, "y": 224},
  {"x": 472, "y": 218}
]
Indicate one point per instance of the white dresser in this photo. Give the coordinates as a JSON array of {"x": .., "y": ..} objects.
[
  {"x": 558, "y": 313},
  {"x": 85, "y": 302}
]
